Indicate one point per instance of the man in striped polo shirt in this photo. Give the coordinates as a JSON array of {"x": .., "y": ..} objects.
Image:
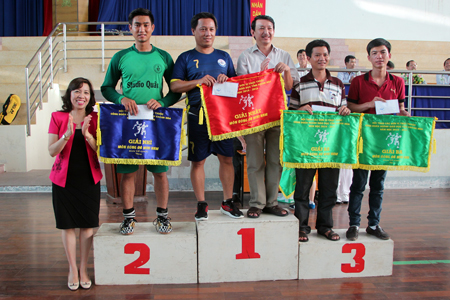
[{"x": 318, "y": 88}]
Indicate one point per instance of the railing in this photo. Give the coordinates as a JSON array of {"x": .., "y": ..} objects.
[
  {"x": 46, "y": 62},
  {"x": 51, "y": 57},
  {"x": 409, "y": 86}
]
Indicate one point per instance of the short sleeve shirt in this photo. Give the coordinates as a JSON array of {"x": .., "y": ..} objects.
[
  {"x": 193, "y": 65},
  {"x": 363, "y": 89}
]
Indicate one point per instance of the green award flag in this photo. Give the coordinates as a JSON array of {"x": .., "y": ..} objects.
[
  {"x": 287, "y": 182},
  {"x": 320, "y": 140},
  {"x": 396, "y": 143}
]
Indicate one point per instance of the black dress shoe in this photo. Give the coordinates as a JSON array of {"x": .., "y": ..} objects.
[
  {"x": 352, "y": 233},
  {"x": 378, "y": 232}
]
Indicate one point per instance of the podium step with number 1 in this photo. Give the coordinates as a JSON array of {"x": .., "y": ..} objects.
[{"x": 247, "y": 249}]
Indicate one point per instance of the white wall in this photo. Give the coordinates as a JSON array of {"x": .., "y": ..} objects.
[
  {"x": 437, "y": 177},
  {"x": 420, "y": 20},
  {"x": 13, "y": 143},
  {"x": 21, "y": 153},
  {"x": 38, "y": 157}
]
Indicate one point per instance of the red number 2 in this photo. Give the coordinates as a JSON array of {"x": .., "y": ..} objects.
[
  {"x": 248, "y": 244},
  {"x": 358, "y": 258},
  {"x": 143, "y": 258}
]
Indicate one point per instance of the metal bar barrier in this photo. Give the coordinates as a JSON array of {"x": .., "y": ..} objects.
[{"x": 61, "y": 36}]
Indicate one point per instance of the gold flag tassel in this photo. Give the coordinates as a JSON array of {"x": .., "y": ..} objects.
[
  {"x": 183, "y": 137},
  {"x": 99, "y": 134},
  {"x": 281, "y": 140},
  {"x": 200, "y": 116},
  {"x": 434, "y": 146},
  {"x": 360, "y": 146}
]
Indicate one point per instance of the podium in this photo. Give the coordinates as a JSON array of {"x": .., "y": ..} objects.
[
  {"x": 247, "y": 249},
  {"x": 146, "y": 256},
  {"x": 367, "y": 256},
  {"x": 222, "y": 249}
]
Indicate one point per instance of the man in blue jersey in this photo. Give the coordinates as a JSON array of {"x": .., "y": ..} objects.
[
  {"x": 141, "y": 63},
  {"x": 205, "y": 65}
]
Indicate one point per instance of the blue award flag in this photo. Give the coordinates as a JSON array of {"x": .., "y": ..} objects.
[{"x": 140, "y": 142}]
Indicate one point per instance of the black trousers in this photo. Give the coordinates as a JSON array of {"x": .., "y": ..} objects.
[
  {"x": 328, "y": 183},
  {"x": 237, "y": 166}
]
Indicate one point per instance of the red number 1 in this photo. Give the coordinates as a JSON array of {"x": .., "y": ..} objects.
[
  {"x": 143, "y": 258},
  {"x": 248, "y": 244},
  {"x": 358, "y": 258}
]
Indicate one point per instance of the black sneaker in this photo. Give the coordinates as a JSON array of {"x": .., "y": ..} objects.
[
  {"x": 236, "y": 201},
  {"x": 378, "y": 232},
  {"x": 162, "y": 225},
  {"x": 352, "y": 233},
  {"x": 202, "y": 211},
  {"x": 127, "y": 226},
  {"x": 229, "y": 208},
  {"x": 292, "y": 206}
]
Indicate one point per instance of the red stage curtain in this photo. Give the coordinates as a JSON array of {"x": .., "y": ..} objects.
[{"x": 48, "y": 17}]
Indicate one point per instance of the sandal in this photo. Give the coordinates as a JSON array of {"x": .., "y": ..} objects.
[
  {"x": 275, "y": 210},
  {"x": 330, "y": 236},
  {"x": 302, "y": 234},
  {"x": 254, "y": 212}
]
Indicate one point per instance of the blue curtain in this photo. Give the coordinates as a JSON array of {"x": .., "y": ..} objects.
[
  {"x": 433, "y": 91},
  {"x": 173, "y": 17},
  {"x": 21, "y": 17},
  {"x": 428, "y": 90}
]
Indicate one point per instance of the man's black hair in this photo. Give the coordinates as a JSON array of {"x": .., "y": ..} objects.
[
  {"x": 314, "y": 44},
  {"x": 202, "y": 15},
  {"x": 446, "y": 60},
  {"x": 140, "y": 12},
  {"x": 262, "y": 17},
  {"x": 390, "y": 64},
  {"x": 378, "y": 42},
  {"x": 348, "y": 57},
  {"x": 409, "y": 61},
  {"x": 300, "y": 51}
]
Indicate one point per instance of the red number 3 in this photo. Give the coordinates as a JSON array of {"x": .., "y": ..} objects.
[
  {"x": 134, "y": 267},
  {"x": 358, "y": 258}
]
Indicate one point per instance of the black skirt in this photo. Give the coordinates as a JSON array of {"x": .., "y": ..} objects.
[{"x": 78, "y": 204}]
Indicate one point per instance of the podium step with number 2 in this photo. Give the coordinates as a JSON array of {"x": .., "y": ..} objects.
[{"x": 146, "y": 256}]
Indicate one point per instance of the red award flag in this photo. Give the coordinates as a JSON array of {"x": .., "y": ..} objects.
[{"x": 258, "y": 105}]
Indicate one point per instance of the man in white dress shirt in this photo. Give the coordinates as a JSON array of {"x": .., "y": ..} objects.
[
  {"x": 444, "y": 78},
  {"x": 350, "y": 63}
]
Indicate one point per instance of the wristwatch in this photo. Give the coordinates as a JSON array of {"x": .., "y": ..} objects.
[{"x": 65, "y": 137}]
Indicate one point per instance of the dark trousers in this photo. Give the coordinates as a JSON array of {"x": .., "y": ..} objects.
[
  {"x": 328, "y": 183},
  {"x": 237, "y": 166},
  {"x": 376, "y": 184}
]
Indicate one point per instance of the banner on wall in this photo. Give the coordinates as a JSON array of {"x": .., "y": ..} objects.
[
  {"x": 364, "y": 141},
  {"x": 140, "y": 142},
  {"x": 257, "y": 8},
  {"x": 258, "y": 105}
]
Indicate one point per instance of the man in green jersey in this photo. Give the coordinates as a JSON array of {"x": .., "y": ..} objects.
[{"x": 142, "y": 68}]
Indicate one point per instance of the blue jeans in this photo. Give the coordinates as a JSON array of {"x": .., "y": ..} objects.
[{"x": 376, "y": 184}]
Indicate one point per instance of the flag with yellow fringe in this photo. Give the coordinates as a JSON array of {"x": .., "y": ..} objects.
[
  {"x": 321, "y": 140},
  {"x": 140, "y": 142},
  {"x": 390, "y": 142},
  {"x": 258, "y": 105},
  {"x": 364, "y": 141}
]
